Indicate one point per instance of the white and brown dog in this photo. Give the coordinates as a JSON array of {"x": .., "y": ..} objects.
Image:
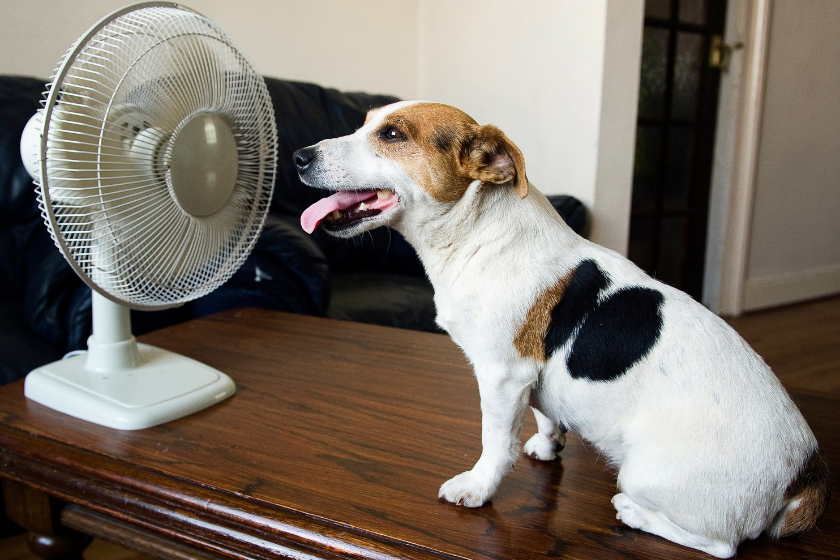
[{"x": 709, "y": 447}]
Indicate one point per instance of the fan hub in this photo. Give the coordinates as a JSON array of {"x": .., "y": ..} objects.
[{"x": 203, "y": 164}]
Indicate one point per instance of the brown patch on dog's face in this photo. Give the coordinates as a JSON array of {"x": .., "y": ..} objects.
[
  {"x": 530, "y": 339},
  {"x": 444, "y": 150}
]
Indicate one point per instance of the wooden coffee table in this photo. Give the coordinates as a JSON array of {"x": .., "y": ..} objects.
[{"x": 333, "y": 447}]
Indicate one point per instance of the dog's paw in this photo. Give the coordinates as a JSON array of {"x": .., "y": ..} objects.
[
  {"x": 466, "y": 489},
  {"x": 629, "y": 513},
  {"x": 543, "y": 448}
]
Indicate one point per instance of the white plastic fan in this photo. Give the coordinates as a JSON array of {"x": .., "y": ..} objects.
[{"x": 155, "y": 155}]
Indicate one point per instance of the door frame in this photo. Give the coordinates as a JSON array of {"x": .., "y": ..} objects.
[{"x": 735, "y": 158}]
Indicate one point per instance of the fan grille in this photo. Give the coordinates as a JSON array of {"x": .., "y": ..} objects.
[{"x": 118, "y": 100}]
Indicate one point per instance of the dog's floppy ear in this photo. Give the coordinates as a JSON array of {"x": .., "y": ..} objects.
[{"x": 489, "y": 156}]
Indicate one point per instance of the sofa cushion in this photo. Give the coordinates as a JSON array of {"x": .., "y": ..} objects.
[
  {"x": 22, "y": 350},
  {"x": 396, "y": 300},
  {"x": 23, "y": 238},
  {"x": 571, "y": 210},
  {"x": 21, "y": 97}
]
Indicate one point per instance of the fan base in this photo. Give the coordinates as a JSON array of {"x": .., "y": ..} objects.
[{"x": 164, "y": 387}]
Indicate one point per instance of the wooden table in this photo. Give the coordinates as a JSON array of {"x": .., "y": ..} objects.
[{"x": 334, "y": 447}]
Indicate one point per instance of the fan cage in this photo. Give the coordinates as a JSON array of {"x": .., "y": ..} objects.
[{"x": 117, "y": 99}]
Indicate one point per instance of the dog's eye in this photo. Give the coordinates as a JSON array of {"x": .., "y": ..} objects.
[{"x": 392, "y": 134}]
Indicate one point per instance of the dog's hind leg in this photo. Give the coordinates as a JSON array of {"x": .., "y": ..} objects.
[
  {"x": 644, "y": 519},
  {"x": 548, "y": 441}
]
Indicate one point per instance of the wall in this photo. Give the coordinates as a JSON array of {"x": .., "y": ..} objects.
[
  {"x": 331, "y": 42},
  {"x": 541, "y": 84},
  {"x": 617, "y": 127},
  {"x": 560, "y": 77},
  {"x": 794, "y": 251},
  {"x": 356, "y": 45},
  {"x": 539, "y": 70}
]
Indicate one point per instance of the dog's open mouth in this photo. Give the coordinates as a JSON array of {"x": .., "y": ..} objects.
[{"x": 347, "y": 208}]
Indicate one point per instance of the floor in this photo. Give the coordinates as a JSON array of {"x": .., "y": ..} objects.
[{"x": 801, "y": 343}]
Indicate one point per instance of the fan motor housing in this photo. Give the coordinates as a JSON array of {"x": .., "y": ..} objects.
[{"x": 203, "y": 164}]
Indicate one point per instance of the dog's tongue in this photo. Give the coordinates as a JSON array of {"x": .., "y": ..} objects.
[{"x": 316, "y": 213}]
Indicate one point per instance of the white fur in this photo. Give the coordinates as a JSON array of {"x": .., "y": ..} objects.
[{"x": 703, "y": 435}]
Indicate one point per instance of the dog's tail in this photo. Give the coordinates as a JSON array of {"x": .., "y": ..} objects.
[{"x": 807, "y": 498}]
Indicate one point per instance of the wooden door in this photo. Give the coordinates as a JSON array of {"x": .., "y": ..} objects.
[{"x": 674, "y": 140}]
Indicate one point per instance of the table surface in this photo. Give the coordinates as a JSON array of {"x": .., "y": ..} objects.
[{"x": 335, "y": 445}]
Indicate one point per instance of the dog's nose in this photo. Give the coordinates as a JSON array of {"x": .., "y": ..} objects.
[{"x": 304, "y": 157}]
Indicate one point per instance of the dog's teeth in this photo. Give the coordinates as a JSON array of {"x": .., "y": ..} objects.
[
  {"x": 362, "y": 206},
  {"x": 336, "y": 214},
  {"x": 383, "y": 194}
]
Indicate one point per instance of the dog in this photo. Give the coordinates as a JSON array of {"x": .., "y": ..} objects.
[{"x": 709, "y": 448}]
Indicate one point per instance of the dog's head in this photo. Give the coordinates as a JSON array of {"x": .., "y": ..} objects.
[{"x": 406, "y": 154}]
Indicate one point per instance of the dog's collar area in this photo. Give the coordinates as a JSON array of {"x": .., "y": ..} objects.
[{"x": 346, "y": 208}]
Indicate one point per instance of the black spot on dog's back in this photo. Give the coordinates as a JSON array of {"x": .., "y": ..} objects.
[
  {"x": 617, "y": 334},
  {"x": 579, "y": 299}
]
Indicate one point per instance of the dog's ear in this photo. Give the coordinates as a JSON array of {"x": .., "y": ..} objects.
[{"x": 489, "y": 156}]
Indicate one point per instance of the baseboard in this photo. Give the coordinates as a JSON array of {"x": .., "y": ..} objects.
[{"x": 771, "y": 291}]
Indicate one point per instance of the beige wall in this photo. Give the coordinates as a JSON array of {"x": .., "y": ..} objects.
[
  {"x": 534, "y": 69},
  {"x": 356, "y": 45},
  {"x": 549, "y": 74},
  {"x": 353, "y": 45},
  {"x": 617, "y": 129},
  {"x": 794, "y": 252},
  {"x": 545, "y": 71}
]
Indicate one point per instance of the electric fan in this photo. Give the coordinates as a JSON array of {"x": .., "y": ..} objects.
[{"x": 155, "y": 155}]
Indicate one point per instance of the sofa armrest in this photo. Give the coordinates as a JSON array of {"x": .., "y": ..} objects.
[{"x": 571, "y": 210}]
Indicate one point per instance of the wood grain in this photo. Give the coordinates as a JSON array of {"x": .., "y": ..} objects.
[
  {"x": 130, "y": 536},
  {"x": 334, "y": 446}
]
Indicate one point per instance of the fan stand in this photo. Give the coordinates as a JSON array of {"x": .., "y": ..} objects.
[{"x": 122, "y": 384}]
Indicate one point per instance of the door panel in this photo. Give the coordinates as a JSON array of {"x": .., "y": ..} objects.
[{"x": 674, "y": 140}]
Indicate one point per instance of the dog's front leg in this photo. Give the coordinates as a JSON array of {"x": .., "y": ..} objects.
[{"x": 504, "y": 399}]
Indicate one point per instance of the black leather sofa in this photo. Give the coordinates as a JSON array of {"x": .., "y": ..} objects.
[{"x": 377, "y": 278}]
